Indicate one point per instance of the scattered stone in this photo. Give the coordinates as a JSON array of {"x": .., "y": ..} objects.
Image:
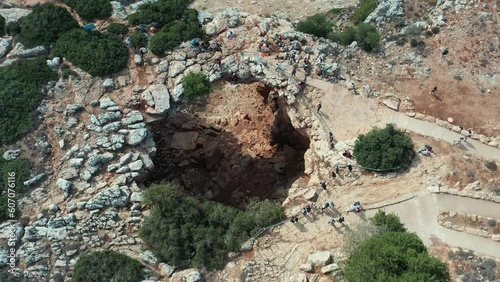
[
  {"x": 162, "y": 67},
  {"x": 136, "y": 166},
  {"x": 21, "y": 52},
  {"x": 10, "y": 155},
  {"x": 14, "y": 14},
  {"x": 136, "y": 197},
  {"x": 329, "y": 268},
  {"x": 63, "y": 185},
  {"x": 78, "y": 162},
  {"x": 148, "y": 257},
  {"x": 193, "y": 276},
  {"x": 5, "y": 46},
  {"x": 35, "y": 179},
  {"x": 119, "y": 13},
  {"x": 108, "y": 83},
  {"x": 320, "y": 258},
  {"x": 106, "y": 103},
  {"x": 392, "y": 104},
  {"x": 307, "y": 267},
  {"x": 136, "y": 136},
  {"x": 61, "y": 143},
  {"x": 161, "y": 99},
  {"x": 69, "y": 173},
  {"x": 53, "y": 208},
  {"x": 247, "y": 246},
  {"x": 73, "y": 108},
  {"x": 165, "y": 269},
  {"x": 138, "y": 59},
  {"x": 133, "y": 117}
]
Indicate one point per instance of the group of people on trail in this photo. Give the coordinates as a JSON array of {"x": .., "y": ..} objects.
[
  {"x": 341, "y": 220},
  {"x": 355, "y": 207},
  {"x": 331, "y": 141},
  {"x": 460, "y": 140}
]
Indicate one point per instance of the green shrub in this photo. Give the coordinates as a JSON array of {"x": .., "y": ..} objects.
[
  {"x": 335, "y": 11},
  {"x": 66, "y": 73},
  {"x": 172, "y": 34},
  {"x": 45, "y": 24},
  {"x": 20, "y": 95},
  {"x": 364, "y": 9},
  {"x": 436, "y": 30},
  {"x": 91, "y": 9},
  {"x": 13, "y": 28},
  {"x": 387, "y": 222},
  {"x": 97, "y": 53},
  {"x": 196, "y": 84},
  {"x": 366, "y": 35},
  {"x": 317, "y": 25},
  {"x": 394, "y": 256},
  {"x": 2, "y": 26},
  {"x": 117, "y": 29},
  {"x": 159, "y": 13},
  {"x": 385, "y": 148},
  {"x": 107, "y": 266},
  {"x": 139, "y": 39},
  {"x": 182, "y": 228}
]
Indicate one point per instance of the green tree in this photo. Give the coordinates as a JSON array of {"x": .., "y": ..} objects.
[
  {"x": 45, "y": 24},
  {"x": 2, "y": 26},
  {"x": 117, "y": 29},
  {"x": 387, "y": 222},
  {"x": 394, "y": 256},
  {"x": 364, "y": 9},
  {"x": 367, "y": 36},
  {"x": 196, "y": 84},
  {"x": 20, "y": 94},
  {"x": 385, "y": 148},
  {"x": 172, "y": 34},
  {"x": 139, "y": 39},
  {"x": 91, "y": 9},
  {"x": 182, "y": 229},
  {"x": 317, "y": 25},
  {"x": 107, "y": 266},
  {"x": 13, "y": 28},
  {"x": 97, "y": 53},
  {"x": 159, "y": 13}
]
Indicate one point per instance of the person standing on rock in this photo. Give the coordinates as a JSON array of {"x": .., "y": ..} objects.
[
  {"x": 341, "y": 220},
  {"x": 337, "y": 170},
  {"x": 349, "y": 167},
  {"x": 323, "y": 185},
  {"x": 433, "y": 91},
  {"x": 331, "y": 221},
  {"x": 318, "y": 108},
  {"x": 294, "y": 71}
]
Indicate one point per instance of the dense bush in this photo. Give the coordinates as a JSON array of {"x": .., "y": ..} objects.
[
  {"x": 117, "y": 29},
  {"x": 2, "y": 26},
  {"x": 91, "y": 9},
  {"x": 385, "y": 148},
  {"x": 13, "y": 28},
  {"x": 45, "y": 24},
  {"x": 172, "y": 34},
  {"x": 317, "y": 25},
  {"x": 20, "y": 94},
  {"x": 97, "y": 53},
  {"x": 139, "y": 39},
  {"x": 387, "y": 222},
  {"x": 395, "y": 256},
  {"x": 159, "y": 13},
  {"x": 196, "y": 84},
  {"x": 107, "y": 266},
  {"x": 364, "y": 9},
  {"x": 366, "y": 35},
  {"x": 21, "y": 168},
  {"x": 182, "y": 229}
]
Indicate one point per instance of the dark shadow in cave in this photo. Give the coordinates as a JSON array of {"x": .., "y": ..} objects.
[{"x": 209, "y": 161}]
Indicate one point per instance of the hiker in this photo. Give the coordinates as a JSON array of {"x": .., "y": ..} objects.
[
  {"x": 128, "y": 41},
  {"x": 318, "y": 108},
  {"x": 304, "y": 211},
  {"x": 433, "y": 91},
  {"x": 358, "y": 210},
  {"x": 294, "y": 71},
  {"x": 334, "y": 175},
  {"x": 341, "y": 220},
  {"x": 347, "y": 154},
  {"x": 464, "y": 139},
  {"x": 325, "y": 206},
  {"x": 349, "y": 167},
  {"x": 457, "y": 142},
  {"x": 337, "y": 170},
  {"x": 331, "y": 221},
  {"x": 323, "y": 185},
  {"x": 308, "y": 208},
  {"x": 357, "y": 203},
  {"x": 234, "y": 77},
  {"x": 301, "y": 84},
  {"x": 332, "y": 205}
]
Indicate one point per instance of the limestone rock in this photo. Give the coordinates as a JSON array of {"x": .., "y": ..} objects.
[
  {"x": 136, "y": 136},
  {"x": 35, "y": 179},
  {"x": 136, "y": 166},
  {"x": 118, "y": 12},
  {"x": 161, "y": 98},
  {"x": 320, "y": 258},
  {"x": 165, "y": 269},
  {"x": 329, "y": 268},
  {"x": 5, "y": 46},
  {"x": 193, "y": 276},
  {"x": 391, "y": 104},
  {"x": 21, "y": 52},
  {"x": 176, "y": 68},
  {"x": 162, "y": 67},
  {"x": 136, "y": 197},
  {"x": 105, "y": 103},
  {"x": 138, "y": 59},
  {"x": 185, "y": 140},
  {"x": 14, "y": 14},
  {"x": 11, "y": 154},
  {"x": 63, "y": 185},
  {"x": 307, "y": 267},
  {"x": 148, "y": 257}
]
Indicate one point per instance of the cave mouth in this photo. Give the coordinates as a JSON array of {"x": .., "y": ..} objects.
[{"x": 235, "y": 144}]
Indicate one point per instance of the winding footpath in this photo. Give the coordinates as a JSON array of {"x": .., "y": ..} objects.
[{"x": 420, "y": 214}]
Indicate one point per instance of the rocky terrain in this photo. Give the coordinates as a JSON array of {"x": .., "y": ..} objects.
[{"x": 100, "y": 141}]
